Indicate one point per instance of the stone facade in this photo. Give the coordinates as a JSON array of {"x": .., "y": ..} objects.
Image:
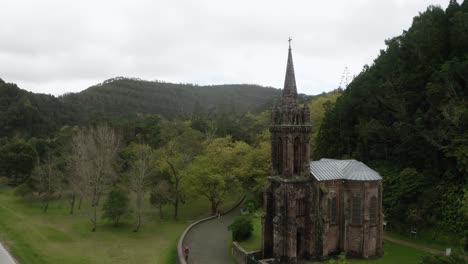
[{"x": 305, "y": 217}]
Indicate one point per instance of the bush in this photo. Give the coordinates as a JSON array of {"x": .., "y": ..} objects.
[
  {"x": 249, "y": 207},
  {"x": 116, "y": 206},
  {"x": 241, "y": 228},
  {"x": 24, "y": 189},
  {"x": 341, "y": 259},
  {"x": 3, "y": 181},
  {"x": 455, "y": 258}
]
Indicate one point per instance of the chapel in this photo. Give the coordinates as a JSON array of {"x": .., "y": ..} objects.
[{"x": 315, "y": 209}]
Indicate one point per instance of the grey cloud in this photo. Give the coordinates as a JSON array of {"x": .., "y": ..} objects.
[{"x": 63, "y": 46}]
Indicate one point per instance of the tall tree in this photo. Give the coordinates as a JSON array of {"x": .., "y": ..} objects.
[
  {"x": 47, "y": 179},
  {"x": 216, "y": 171},
  {"x": 103, "y": 146},
  {"x": 142, "y": 168},
  {"x": 183, "y": 144}
]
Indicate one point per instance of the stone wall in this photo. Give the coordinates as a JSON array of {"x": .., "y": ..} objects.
[{"x": 243, "y": 257}]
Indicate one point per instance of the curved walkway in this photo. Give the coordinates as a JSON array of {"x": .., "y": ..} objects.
[
  {"x": 5, "y": 257},
  {"x": 208, "y": 241}
]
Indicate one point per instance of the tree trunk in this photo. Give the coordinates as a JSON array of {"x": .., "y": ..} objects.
[
  {"x": 72, "y": 205},
  {"x": 94, "y": 220},
  {"x": 160, "y": 210},
  {"x": 46, "y": 205},
  {"x": 214, "y": 207},
  {"x": 79, "y": 203},
  {"x": 176, "y": 202},
  {"x": 138, "y": 207}
]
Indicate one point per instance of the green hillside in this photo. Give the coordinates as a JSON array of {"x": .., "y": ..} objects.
[
  {"x": 407, "y": 116},
  {"x": 24, "y": 114},
  {"x": 126, "y": 96}
]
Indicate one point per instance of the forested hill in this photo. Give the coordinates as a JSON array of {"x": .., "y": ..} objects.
[
  {"x": 407, "y": 114},
  {"x": 24, "y": 114},
  {"x": 126, "y": 96}
]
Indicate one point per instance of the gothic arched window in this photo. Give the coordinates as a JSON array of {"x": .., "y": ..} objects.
[
  {"x": 280, "y": 155},
  {"x": 356, "y": 215},
  {"x": 300, "y": 207},
  {"x": 297, "y": 155},
  {"x": 373, "y": 211},
  {"x": 333, "y": 208}
]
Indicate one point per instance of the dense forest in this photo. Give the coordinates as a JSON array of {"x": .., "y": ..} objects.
[
  {"x": 407, "y": 115},
  {"x": 24, "y": 114}
]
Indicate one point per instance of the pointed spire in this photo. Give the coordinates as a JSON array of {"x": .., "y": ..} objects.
[{"x": 290, "y": 89}]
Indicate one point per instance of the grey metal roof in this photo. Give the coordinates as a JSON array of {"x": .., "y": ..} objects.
[{"x": 331, "y": 169}]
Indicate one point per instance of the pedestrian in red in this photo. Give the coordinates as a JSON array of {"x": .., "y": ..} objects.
[{"x": 186, "y": 251}]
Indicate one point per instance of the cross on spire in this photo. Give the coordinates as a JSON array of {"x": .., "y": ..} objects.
[{"x": 290, "y": 90}]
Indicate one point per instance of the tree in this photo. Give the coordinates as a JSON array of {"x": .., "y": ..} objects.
[
  {"x": 142, "y": 167},
  {"x": 215, "y": 172},
  {"x": 47, "y": 179},
  {"x": 79, "y": 166},
  {"x": 160, "y": 195},
  {"x": 94, "y": 151},
  {"x": 241, "y": 228},
  {"x": 183, "y": 144},
  {"x": 116, "y": 205},
  {"x": 17, "y": 159},
  {"x": 103, "y": 146}
]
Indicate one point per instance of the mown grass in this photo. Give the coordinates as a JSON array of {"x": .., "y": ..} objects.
[
  {"x": 255, "y": 241},
  {"x": 395, "y": 254},
  {"x": 58, "y": 237}
]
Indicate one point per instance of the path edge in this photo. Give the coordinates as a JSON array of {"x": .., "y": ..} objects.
[{"x": 180, "y": 243}]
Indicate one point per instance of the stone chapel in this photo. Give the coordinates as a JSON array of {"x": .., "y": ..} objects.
[{"x": 315, "y": 209}]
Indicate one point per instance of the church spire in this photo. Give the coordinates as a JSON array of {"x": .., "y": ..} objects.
[{"x": 290, "y": 89}]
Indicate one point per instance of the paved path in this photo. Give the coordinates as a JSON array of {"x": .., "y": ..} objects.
[
  {"x": 413, "y": 245},
  {"x": 5, "y": 257},
  {"x": 208, "y": 241}
]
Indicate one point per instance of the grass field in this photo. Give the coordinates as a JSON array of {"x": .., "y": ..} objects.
[
  {"x": 57, "y": 237},
  {"x": 393, "y": 253}
]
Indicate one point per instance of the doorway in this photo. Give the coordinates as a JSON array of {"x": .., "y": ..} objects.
[{"x": 298, "y": 243}]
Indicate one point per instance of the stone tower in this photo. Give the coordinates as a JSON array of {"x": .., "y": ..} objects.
[
  {"x": 286, "y": 198},
  {"x": 290, "y": 130}
]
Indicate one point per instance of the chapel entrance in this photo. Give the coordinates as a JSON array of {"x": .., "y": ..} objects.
[{"x": 298, "y": 243}]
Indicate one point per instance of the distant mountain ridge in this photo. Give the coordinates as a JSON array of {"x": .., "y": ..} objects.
[
  {"x": 124, "y": 96},
  {"x": 28, "y": 114}
]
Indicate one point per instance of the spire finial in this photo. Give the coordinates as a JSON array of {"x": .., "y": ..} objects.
[{"x": 290, "y": 90}]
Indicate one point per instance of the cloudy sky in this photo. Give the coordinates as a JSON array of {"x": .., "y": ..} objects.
[{"x": 66, "y": 46}]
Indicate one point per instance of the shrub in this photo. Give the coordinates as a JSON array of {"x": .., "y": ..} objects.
[
  {"x": 241, "y": 228},
  {"x": 116, "y": 205},
  {"x": 249, "y": 207},
  {"x": 24, "y": 189},
  {"x": 455, "y": 258},
  {"x": 341, "y": 259},
  {"x": 3, "y": 181}
]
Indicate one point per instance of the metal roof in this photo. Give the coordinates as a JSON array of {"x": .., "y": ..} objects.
[{"x": 331, "y": 169}]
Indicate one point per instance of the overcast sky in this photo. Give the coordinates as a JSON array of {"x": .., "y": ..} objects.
[{"x": 66, "y": 46}]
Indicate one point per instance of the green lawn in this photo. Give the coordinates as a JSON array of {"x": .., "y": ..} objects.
[
  {"x": 255, "y": 241},
  {"x": 57, "y": 237},
  {"x": 442, "y": 243},
  {"x": 395, "y": 254}
]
